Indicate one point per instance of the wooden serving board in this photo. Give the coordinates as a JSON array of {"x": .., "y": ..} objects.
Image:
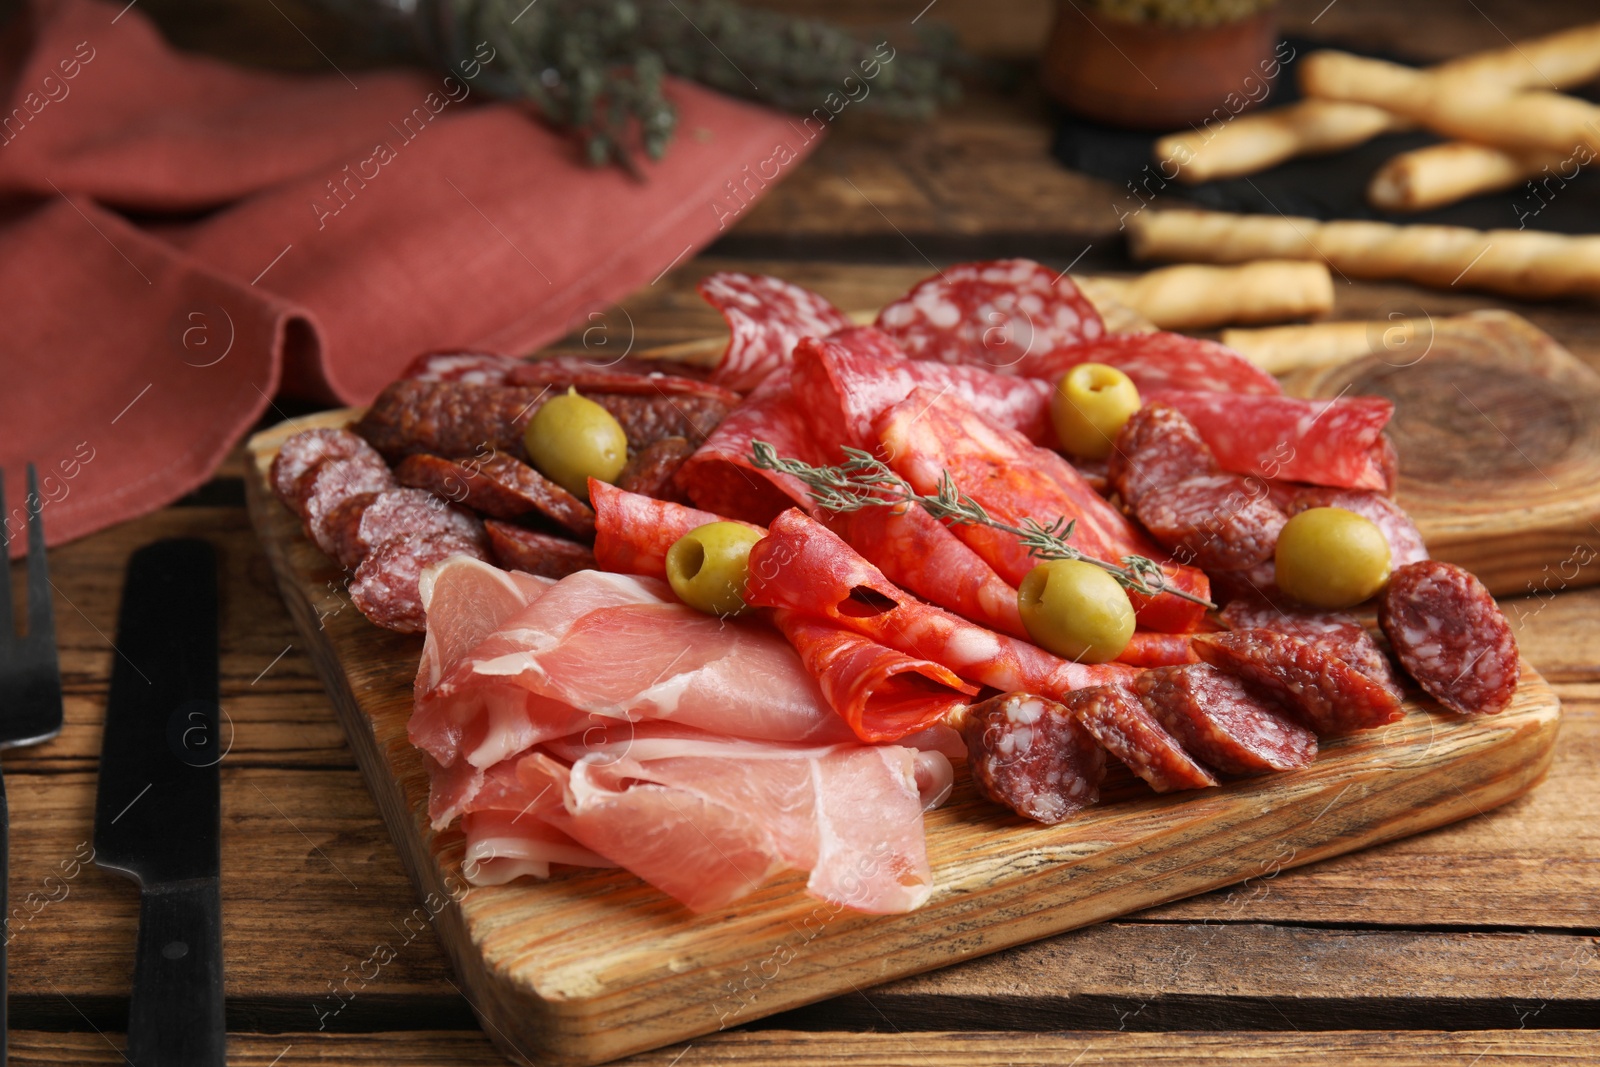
[
  {"x": 1498, "y": 431},
  {"x": 592, "y": 965}
]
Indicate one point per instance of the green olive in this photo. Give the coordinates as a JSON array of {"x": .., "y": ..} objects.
[
  {"x": 1331, "y": 558},
  {"x": 572, "y": 439},
  {"x": 708, "y": 566},
  {"x": 1076, "y": 610},
  {"x": 1089, "y": 406}
]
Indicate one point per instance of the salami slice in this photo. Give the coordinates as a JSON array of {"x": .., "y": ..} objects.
[
  {"x": 919, "y": 553},
  {"x": 301, "y": 454},
  {"x": 1339, "y": 634},
  {"x": 1324, "y": 442},
  {"x": 1149, "y": 649},
  {"x": 652, "y": 469},
  {"x": 1159, "y": 360},
  {"x": 520, "y": 549},
  {"x": 883, "y": 694},
  {"x": 1157, "y": 446},
  {"x": 927, "y": 435},
  {"x": 719, "y": 476},
  {"x": 1321, "y": 690},
  {"x": 1122, "y": 725},
  {"x": 803, "y": 566},
  {"x": 1029, "y": 754},
  {"x": 1258, "y": 583},
  {"x": 1450, "y": 636},
  {"x": 1007, "y": 315},
  {"x": 463, "y": 419},
  {"x": 1223, "y": 721},
  {"x": 499, "y": 486},
  {"x": 475, "y": 368},
  {"x": 628, "y": 377},
  {"x": 767, "y": 317},
  {"x": 1405, "y": 540},
  {"x": 843, "y": 392},
  {"x": 1213, "y": 521},
  {"x": 634, "y": 532},
  {"x": 395, "y": 515},
  {"x": 335, "y": 481},
  {"x": 385, "y": 585},
  {"x": 868, "y": 341}
]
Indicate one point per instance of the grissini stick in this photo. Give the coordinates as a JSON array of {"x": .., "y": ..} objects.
[
  {"x": 1194, "y": 297},
  {"x": 1281, "y": 349},
  {"x": 1444, "y": 173},
  {"x": 1521, "y": 263}
]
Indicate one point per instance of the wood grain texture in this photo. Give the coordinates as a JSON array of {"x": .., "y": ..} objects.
[
  {"x": 547, "y": 982},
  {"x": 1498, "y": 431}
]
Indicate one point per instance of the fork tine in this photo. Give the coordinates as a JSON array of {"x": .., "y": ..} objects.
[
  {"x": 41, "y": 609},
  {"x": 8, "y": 628}
]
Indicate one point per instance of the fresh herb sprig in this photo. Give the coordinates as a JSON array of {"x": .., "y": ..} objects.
[{"x": 864, "y": 481}]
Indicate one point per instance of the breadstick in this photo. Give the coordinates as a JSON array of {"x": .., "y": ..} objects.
[
  {"x": 1254, "y": 142},
  {"x": 1197, "y": 298},
  {"x": 1281, "y": 349},
  {"x": 1456, "y": 105},
  {"x": 1521, "y": 263},
  {"x": 1106, "y": 296},
  {"x": 1444, "y": 173}
]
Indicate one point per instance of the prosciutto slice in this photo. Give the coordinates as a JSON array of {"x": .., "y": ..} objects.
[
  {"x": 803, "y": 566},
  {"x": 766, "y": 316},
  {"x": 928, "y": 434}
]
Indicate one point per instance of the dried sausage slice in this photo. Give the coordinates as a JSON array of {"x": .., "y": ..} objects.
[
  {"x": 519, "y": 549},
  {"x": 1120, "y": 722},
  {"x": 766, "y": 316},
  {"x": 650, "y": 470},
  {"x": 1449, "y": 634},
  {"x": 303, "y": 453},
  {"x": 331, "y": 484},
  {"x": 1321, "y": 690},
  {"x": 633, "y": 532},
  {"x": 1157, "y": 446},
  {"x": 1333, "y": 631},
  {"x": 395, "y": 515},
  {"x": 499, "y": 486},
  {"x": 1213, "y": 521},
  {"x": 1031, "y": 755},
  {"x": 1224, "y": 722},
  {"x": 385, "y": 585}
]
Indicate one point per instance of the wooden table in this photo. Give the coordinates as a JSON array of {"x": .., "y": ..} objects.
[{"x": 1475, "y": 944}]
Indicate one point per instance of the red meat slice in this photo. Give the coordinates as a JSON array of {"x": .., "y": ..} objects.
[
  {"x": 1335, "y": 632},
  {"x": 520, "y": 549},
  {"x": 475, "y": 368},
  {"x": 883, "y": 694},
  {"x": 385, "y": 585},
  {"x": 1224, "y": 722},
  {"x": 803, "y": 566},
  {"x": 1321, "y": 690},
  {"x": 1029, "y": 754},
  {"x": 331, "y": 483},
  {"x": 720, "y": 476},
  {"x": 624, "y": 377},
  {"x": 634, "y": 532},
  {"x": 767, "y": 317},
  {"x": 303, "y": 453},
  {"x": 1159, "y": 360},
  {"x": 365, "y": 523},
  {"x": 1324, "y": 442},
  {"x": 497, "y": 485},
  {"x": 1449, "y": 634},
  {"x": 1214, "y": 521},
  {"x": 653, "y": 469},
  {"x": 1117, "y": 720},
  {"x": 1157, "y": 446},
  {"x": 1148, "y": 649},
  {"x": 927, "y": 435},
  {"x": 1007, "y": 315}
]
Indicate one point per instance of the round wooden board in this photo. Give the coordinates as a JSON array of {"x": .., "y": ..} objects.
[{"x": 1498, "y": 432}]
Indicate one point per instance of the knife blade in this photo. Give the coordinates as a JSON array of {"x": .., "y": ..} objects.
[{"x": 158, "y": 806}]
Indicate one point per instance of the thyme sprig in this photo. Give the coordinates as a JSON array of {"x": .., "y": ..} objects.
[{"x": 864, "y": 481}]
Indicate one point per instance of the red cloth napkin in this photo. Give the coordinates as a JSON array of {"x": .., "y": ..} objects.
[{"x": 308, "y": 233}]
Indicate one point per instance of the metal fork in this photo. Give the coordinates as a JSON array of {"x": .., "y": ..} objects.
[{"x": 30, "y": 680}]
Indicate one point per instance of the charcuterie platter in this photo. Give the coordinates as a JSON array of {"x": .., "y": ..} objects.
[{"x": 546, "y": 730}]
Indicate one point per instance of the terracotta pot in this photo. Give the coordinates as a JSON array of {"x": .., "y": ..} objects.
[{"x": 1152, "y": 76}]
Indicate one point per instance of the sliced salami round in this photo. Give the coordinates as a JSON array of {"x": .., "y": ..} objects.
[
  {"x": 767, "y": 316},
  {"x": 1031, "y": 755},
  {"x": 633, "y": 532},
  {"x": 1449, "y": 634},
  {"x": 1405, "y": 540},
  {"x": 301, "y": 454},
  {"x": 1332, "y": 631},
  {"x": 395, "y": 515},
  {"x": 650, "y": 471},
  {"x": 1318, "y": 688},
  {"x": 334, "y": 482},
  {"x": 1213, "y": 521},
  {"x": 628, "y": 377},
  {"x": 1160, "y": 360},
  {"x": 498, "y": 485},
  {"x": 1224, "y": 722},
  {"x": 474, "y": 368},
  {"x": 867, "y": 341},
  {"x": 1157, "y": 446},
  {"x": 384, "y": 588},
  {"x": 1007, "y": 315},
  {"x": 1117, "y": 720},
  {"x": 1149, "y": 649},
  {"x": 520, "y": 549}
]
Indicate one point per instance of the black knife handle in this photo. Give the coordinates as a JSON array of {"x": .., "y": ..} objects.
[{"x": 175, "y": 1016}]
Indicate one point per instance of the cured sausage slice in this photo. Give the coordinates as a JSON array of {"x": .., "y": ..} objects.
[
  {"x": 1117, "y": 719},
  {"x": 1334, "y": 632},
  {"x": 303, "y": 453},
  {"x": 499, "y": 486},
  {"x": 1405, "y": 540},
  {"x": 1323, "y": 442},
  {"x": 1157, "y": 446},
  {"x": 634, "y": 532},
  {"x": 331, "y": 484},
  {"x": 1007, "y": 315},
  {"x": 521, "y": 549},
  {"x": 803, "y": 566},
  {"x": 767, "y": 317},
  {"x": 720, "y": 477},
  {"x": 883, "y": 694},
  {"x": 1148, "y": 649},
  {"x": 633, "y": 377},
  {"x": 1215, "y": 521},
  {"x": 1450, "y": 636},
  {"x": 1029, "y": 754},
  {"x": 384, "y": 588},
  {"x": 868, "y": 341},
  {"x": 652, "y": 469},
  {"x": 365, "y": 523},
  {"x": 1159, "y": 360},
  {"x": 1223, "y": 721},
  {"x": 927, "y": 435},
  {"x": 476, "y": 368},
  {"x": 1321, "y": 690}
]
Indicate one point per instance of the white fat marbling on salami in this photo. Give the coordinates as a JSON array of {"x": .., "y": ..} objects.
[{"x": 767, "y": 317}]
